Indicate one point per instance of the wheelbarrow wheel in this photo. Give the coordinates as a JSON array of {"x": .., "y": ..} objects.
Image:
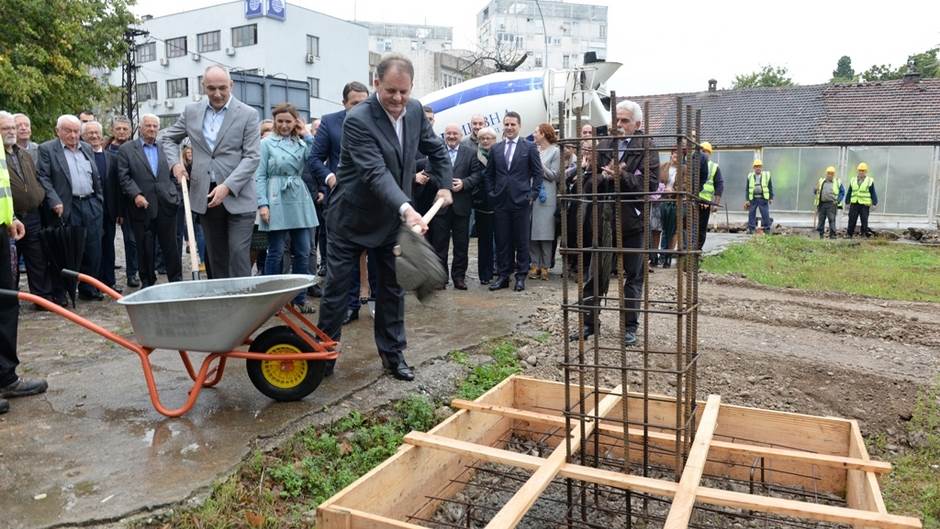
[{"x": 283, "y": 380}]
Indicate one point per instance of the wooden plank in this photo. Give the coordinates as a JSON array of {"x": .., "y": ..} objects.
[
  {"x": 513, "y": 511},
  {"x": 667, "y": 489},
  {"x": 681, "y": 510},
  {"x": 341, "y": 517},
  {"x": 717, "y": 447}
]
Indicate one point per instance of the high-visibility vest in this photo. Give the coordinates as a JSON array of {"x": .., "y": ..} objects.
[
  {"x": 764, "y": 183},
  {"x": 6, "y": 194},
  {"x": 861, "y": 193},
  {"x": 708, "y": 188},
  {"x": 835, "y": 189}
]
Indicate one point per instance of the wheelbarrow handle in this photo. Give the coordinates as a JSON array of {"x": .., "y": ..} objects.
[{"x": 438, "y": 204}]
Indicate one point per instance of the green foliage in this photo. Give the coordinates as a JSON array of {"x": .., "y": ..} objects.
[
  {"x": 47, "y": 51},
  {"x": 767, "y": 76},
  {"x": 890, "y": 271},
  {"x": 844, "y": 73},
  {"x": 485, "y": 376},
  {"x": 925, "y": 63},
  {"x": 913, "y": 487}
]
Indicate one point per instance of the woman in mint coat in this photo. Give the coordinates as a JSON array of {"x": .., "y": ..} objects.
[{"x": 285, "y": 207}]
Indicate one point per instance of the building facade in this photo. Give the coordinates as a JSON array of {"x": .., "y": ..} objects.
[
  {"x": 515, "y": 26},
  {"x": 269, "y": 38}
]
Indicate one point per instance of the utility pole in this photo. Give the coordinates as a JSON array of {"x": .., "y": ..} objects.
[{"x": 129, "y": 76}]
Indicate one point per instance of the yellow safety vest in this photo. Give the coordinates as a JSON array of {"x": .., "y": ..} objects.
[
  {"x": 861, "y": 193},
  {"x": 764, "y": 183},
  {"x": 835, "y": 189},
  {"x": 708, "y": 188},
  {"x": 6, "y": 194}
]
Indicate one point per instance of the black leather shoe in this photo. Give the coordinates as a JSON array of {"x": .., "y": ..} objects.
[
  {"x": 460, "y": 284},
  {"x": 4, "y": 406},
  {"x": 502, "y": 282},
  {"x": 24, "y": 387},
  {"x": 520, "y": 284},
  {"x": 133, "y": 282},
  {"x": 585, "y": 333},
  {"x": 351, "y": 316}
]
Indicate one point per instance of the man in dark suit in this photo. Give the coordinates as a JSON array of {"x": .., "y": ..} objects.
[
  {"x": 511, "y": 178},
  {"x": 69, "y": 174},
  {"x": 323, "y": 162},
  {"x": 455, "y": 220},
  {"x": 372, "y": 192},
  {"x": 145, "y": 177},
  {"x": 624, "y": 159},
  {"x": 92, "y": 134}
]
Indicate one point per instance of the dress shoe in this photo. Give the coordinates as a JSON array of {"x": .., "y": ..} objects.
[
  {"x": 460, "y": 284},
  {"x": 133, "y": 282},
  {"x": 23, "y": 387},
  {"x": 520, "y": 284},
  {"x": 502, "y": 282},
  {"x": 398, "y": 368},
  {"x": 315, "y": 291},
  {"x": 629, "y": 338},
  {"x": 351, "y": 316},
  {"x": 585, "y": 333},
  {"x": 96, "y": 296},
  {"x": 4, "y": 406}
]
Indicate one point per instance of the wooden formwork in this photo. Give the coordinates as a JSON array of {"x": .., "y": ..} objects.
[{"x": 824, "y": 453}]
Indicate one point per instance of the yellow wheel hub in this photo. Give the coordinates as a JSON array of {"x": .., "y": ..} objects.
[{"x": 284, "y": 374}]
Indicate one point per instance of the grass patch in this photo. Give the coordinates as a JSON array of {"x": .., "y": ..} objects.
[
  {"x": 913, "y": 487},
  {"x": 282, "y": 489},
  {"x": 870, "y": 268}
]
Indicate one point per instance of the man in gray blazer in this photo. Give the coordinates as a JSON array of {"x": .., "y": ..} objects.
[
  {"x": 69, "y": 174},
  {"x": 226, "y": 136},
  {"x": 371, "y": 197},
  {"x": 145, "y": 177}
]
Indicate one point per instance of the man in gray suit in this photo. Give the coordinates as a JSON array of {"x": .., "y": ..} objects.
[
  {"x": 371, "y": 196},
  {"x": 226, "y": 136},
  {"x": 144, "y": 176},
  {"x": 69, "y": 174}
]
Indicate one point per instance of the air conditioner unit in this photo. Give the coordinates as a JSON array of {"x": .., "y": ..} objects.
[
  {"x": 196, "y": 57},
  {"x": 164, "y": 61},
  {"x": 311, "y": 58},
  {"x": 230, "y": 51},
  {"x": 168, "y": 103}
]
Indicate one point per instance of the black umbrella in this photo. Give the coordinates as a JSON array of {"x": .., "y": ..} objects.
[
  {"x": 64, "y": 247},
  {"x": 417, "y": 266}
]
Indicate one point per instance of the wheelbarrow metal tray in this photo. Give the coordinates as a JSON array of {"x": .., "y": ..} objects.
[{"x": 214, "y": 315}]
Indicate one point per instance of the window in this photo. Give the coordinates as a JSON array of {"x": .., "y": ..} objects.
[
  {"x": 245, "y": 35},
  {"x": 146, "y": 91},
  {"x": 147, "y": 52},
  {"x": 209, "y": 41},
  {"x": 314, "y": 87},
  {"x": 199, "y": 87},
  {"x": 313, "y": 45},
  {"x": 177, "y": 87},
  {"x": 175, "y": 47}
]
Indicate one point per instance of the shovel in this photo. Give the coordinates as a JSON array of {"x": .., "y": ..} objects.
[
  {"x": 190, "y": 231},
  {"x": 417, "y": 266}
]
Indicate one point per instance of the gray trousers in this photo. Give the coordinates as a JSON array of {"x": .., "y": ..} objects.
[
  {"x": 826, "y": 211},
  {"x": 228, "y": 242}
]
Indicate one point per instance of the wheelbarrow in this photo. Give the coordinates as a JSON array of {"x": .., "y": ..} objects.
[{"x": 215, "y": 316}]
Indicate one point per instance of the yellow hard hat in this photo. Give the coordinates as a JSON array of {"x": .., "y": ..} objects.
[
  {"x": 862, "y": 167},
  {"x": 831, "y": 169},
  {"x": 758, "y": 163},
  {"x": 707, "y": 147}
]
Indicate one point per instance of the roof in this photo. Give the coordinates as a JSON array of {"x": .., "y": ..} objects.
[{"x": 889, "y": 112}]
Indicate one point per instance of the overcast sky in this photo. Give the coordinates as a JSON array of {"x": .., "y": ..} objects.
[{"x": 676, "y": 46}]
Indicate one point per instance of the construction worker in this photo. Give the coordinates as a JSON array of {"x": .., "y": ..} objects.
[
  {"x": 860, "y": 196},
  {"x": 829, "y": 193},
  {"x": 760, "y": 195},
  {"x": 713, "y": 185}
]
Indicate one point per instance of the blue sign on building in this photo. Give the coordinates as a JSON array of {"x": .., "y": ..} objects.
[
  {"x": 253, "y": 8},
  {"x": 277, "y": 9}
]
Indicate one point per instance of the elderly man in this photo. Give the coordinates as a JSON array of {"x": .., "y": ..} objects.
[
  {"x": 145, "y": 177},
  {"x": 92, "y": 134},
  {"x": 477, "y": 122},
  {"x": 120, "y": 134},
  {"x": 226, "y": 138},
  {"x": 623, "y": 159},
  {"x": 24, "y": 135},
  {"x": 455, "y": 220},
  {"x": 28, "y": 196},
  {"x": 11, "y": 385},
  {"x": 69, "y": 174},
  {"x": 372, "y": 195}
]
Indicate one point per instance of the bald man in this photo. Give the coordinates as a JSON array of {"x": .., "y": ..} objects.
[{"x": 225, "y": 135}]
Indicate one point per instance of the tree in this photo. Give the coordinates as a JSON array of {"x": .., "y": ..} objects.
[
  {"x": 48, "y": 50},
  {"x": 767, "y": 76},
  {"x": 844, "y": 73}
]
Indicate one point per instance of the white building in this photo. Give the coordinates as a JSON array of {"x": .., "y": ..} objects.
[
  {"x": 268, "y": 38},
  {"x": 517, "y": 26}
]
